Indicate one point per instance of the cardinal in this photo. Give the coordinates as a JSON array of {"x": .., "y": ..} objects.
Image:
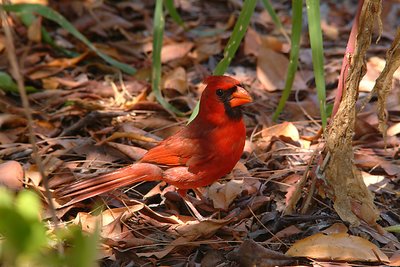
[{"x": 199, "y": 154}]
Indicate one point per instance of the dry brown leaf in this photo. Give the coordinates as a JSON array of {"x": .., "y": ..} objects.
[
  {"x": 33, "y": 175},
  {"x": 335, "y": 229},
  {"x": 50, "y": 83},
  {"x": 2, "y": 43},
  {"x": 332, "y": 32},
  {"x": 375, "y": 65},
  {"x": 286, "y": 129},
  {"x": 339, "y": 246},
  {"x": 284, "y": 233},
  {"x": 206, "y": 47},
  {"x": 252, "y": 42},
  {"x": 35, "y": 30},
  {"x": 175, "y": 51},
  {"x": 377, "y": 183},
  {"x": 109, "y": 222},
  {"x": 180, "y": 241},
  {"x": 134, "y": 152},
  {"x": 66, "y": 62},
  {"x": 275, "y": 44},
  {"x": 11, "y": 175},
  {"x": 394, "y": 129},
  {"x": 188, "y": 232},
  {"x": 176, "y": 80},
  {"x": 222, "y": 195},
  {"x": 11, "y": 120},
  {"x": 43, "y": 72},
  {"x": 271, "y": 70},
  {"x": 369, "y": 161},
  {"x": 251, "y": 254},
  {"x": 213, "y": 258},
  {"x": 395, "y": 259}
]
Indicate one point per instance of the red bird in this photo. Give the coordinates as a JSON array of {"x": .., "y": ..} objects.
[{"x": 198, "y": 155}]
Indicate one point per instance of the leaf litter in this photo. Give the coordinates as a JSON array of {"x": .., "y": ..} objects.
[{"x": 90, "y": 118}]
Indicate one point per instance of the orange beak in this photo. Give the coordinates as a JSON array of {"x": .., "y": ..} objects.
[{"x": 240, "y": 97}]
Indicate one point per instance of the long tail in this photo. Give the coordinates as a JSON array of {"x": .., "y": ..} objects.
[{"x": 84, "y": 189}]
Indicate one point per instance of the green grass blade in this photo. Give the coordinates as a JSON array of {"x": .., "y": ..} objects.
[
  {"x": 169, "y": 5},
  {"x": 270, "y": 9},
  {"x": 7, "y": 84},
  {"x": 233, "y": 44},
  {"x": 52, "y": 15},
  {"x": 393, "y": 228},
  {"x": 28, "y": 18},
  {"x": 314, "y": 27},
  {"x": 237, "y": 35},
  {"x": 158, "y": 32},
  {"x": 297, "y": 6}
]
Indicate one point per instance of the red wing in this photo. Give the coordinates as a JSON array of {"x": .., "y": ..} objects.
[{"x": 174, "y": 151}]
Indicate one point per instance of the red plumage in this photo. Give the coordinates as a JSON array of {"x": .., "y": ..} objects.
[{"x": 198, "y": 155}]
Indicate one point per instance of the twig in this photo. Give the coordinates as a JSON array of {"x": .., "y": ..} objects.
[
  {"x": 90, "y": 118},
  {"x": 16, "y": 73}
]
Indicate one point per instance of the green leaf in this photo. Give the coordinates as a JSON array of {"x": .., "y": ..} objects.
[
  {"x": 237, "y": 35},
  {"x": 393, "y": 228},
  {"x": 28, "y": 205},
  {"x": 28, "y": 18},
  {"x": 84, "y": 248},
  {"x": 169, "y": 5},
  {"x": 314, "y": 27},
  {"x": 52, "y": 15},
  {"x": 270, "y": 9},
  {"x": 7, "y": 84},
  {"x": 24, "y": 234},
  {"x": 158, "y": 32},
  {"x": 233, "y": 44},
  {"x": 297, "y": 6},
  {"x": 6, "y": 199}
]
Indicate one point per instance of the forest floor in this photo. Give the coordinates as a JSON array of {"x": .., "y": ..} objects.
[{"x": 82, "y": 102}]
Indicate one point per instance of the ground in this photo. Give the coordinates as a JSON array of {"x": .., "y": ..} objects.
[{"x": 90, "y": 118}]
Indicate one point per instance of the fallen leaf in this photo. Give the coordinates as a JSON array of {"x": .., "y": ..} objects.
[
  {"x": 206, "y": 47},
  {"x": 286, "y": 129},
  {"x": 377, "y": 183},
  {"x": 394, "y": 129},
  {"x": 251, "y": 254},
  {"x": 66, "y": 62},
  {"x": 35, "y": 30},
  {"x": 271, "y": 70},
  {"x": 395, "y": 259},
  {"x": 188, "y": 232},
  {"x": 176, "y": 80},
  {"x": 222, "y": 195},
  {"x": 175, "y": 51},
  {"x": 336, "y": 228},
  {"x": 364, "y": 160},
  {"x": 338, "y": 247}
]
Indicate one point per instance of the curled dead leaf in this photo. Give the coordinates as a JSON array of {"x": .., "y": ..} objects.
[
  {"x": 286, "y": 129},
  {"x": 337, "y": 246},
  {"x": 222, "y": 195},
  {"x": 176, "y": 80}
]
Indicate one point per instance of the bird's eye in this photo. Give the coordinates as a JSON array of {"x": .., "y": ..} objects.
[{"x": 219, "y": 92}]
